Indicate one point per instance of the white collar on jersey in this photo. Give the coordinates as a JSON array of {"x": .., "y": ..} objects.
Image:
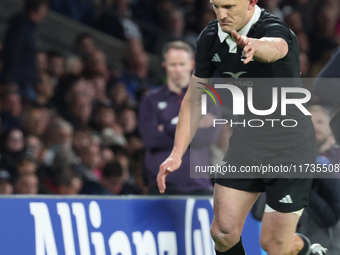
[{"x": 244, "y": 31}]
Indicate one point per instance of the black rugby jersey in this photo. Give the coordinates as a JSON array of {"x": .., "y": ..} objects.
[
  {"x": 213, "y": 57},
  {"x": 213, "y": 60}
]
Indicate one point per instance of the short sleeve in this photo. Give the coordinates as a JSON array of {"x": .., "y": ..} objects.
[
  {"x": 204, "y": 67},
  {"x": 277, "y": 29}
]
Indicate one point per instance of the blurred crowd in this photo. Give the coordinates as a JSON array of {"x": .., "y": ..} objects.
[
  {"x": 153, "y": 23},
  {"x": 70, "y": 125}
]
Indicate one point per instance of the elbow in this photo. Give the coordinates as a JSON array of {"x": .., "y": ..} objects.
[
  {"x": 280, "y": 50},
  {"x": 269, "y": 58}
]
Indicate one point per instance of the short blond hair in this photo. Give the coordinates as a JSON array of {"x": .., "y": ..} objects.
[
  {"x": 319, "y": 108},
  {"x": 178, "y": 45}
]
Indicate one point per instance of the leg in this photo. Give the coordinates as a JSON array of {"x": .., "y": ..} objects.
[
  {"x": 231, "y": 207},
  {"x": 277, "y": 233}
]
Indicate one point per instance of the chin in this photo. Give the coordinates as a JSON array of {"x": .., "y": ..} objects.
[{"x": 226, "y": 30}]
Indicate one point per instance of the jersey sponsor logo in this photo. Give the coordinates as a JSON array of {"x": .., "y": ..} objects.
[
  {"x": 216, "y": 58},
  {"x": 286, "y": 200},
  {"x": 235, "y": 75}
]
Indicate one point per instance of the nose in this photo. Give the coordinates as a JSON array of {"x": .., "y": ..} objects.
[
  {"x": 178, "y": 68},
  {"x": 221, "y": 14}
]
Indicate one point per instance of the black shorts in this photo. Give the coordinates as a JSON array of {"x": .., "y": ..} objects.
[{"x": 283, "y": 194}]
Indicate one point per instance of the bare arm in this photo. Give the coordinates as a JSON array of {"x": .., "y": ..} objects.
[
  {"x": 266, "y": 49},
  {"x": 189, "y": 118}
]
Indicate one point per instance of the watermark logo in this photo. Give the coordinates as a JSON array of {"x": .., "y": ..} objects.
[
  {"x": 204, "y": 97},
  {"x": 280, "y": 100}
]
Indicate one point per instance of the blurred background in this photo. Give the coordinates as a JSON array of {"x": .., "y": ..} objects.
[{"x": 73, "y": 76}]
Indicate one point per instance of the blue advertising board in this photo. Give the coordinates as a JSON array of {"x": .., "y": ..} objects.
[{"x": 113, "y": 225}]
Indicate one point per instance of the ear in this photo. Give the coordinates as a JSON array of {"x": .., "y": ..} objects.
[
  {"x": 192, "y": 65},
  {"x": 252, "y": 4},
  {"x": 163, "y": 64}
]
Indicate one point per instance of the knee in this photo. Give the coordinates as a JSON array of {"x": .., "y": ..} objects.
[
  {"x": 274, "y": 245},
  {"x": 226, "y": 236}
]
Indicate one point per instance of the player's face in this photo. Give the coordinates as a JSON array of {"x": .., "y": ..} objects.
[
  {"x": 233, "y": 14},
  {"x": 321, "y": 125},
  {"x": 178, "y": 65}
]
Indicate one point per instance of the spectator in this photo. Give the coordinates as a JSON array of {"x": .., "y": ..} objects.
[
  {"x": 325, "y": 140},
  {"x": 35, "y": 121},
  {"x": 36, "y": 148},
  {"x": 20, "y": 47},
  {"x": 121, "y": 156},
  {"x": 106, "y": 123},
  {"x": 13, "y": 149},
  {"x": 60, "y": 137},
  {"x": 6, "y": 186},
  {"x": 99, "y": 85},
  {"x": 56, "y": 65},
  {"x": 80, "y": 110},
  {"x": 97, "y": 66},
  {"x": 204, "y": 19},
  {"x": 11, "y": 108},
  {"x": 91, "y": 158},
  {"x": 117, "y": 21},
  {"x": 67, "y": 87},
  {"x": 107, "y": 155},
  {"x": 60, "y": 133},
  {"x": 113, "y": 180},
  {"x": 174, "y": 27},
  {"x": 69, "y": 182},
  {"x": 84, "y": 45},
  {"x": 294, "y": 21},
  {"x": 272, "y": 6},
  {"x": 157, "y": 123},
  {"x": 42, "y": 61},
  {"x": 320, "y": 221},
  {"x": 45, "y": 91},
  {"x": 327, "y": 90},
  {"x": 27, "y": 184},
  {"x": 26, "y": 164},
  {"x": 81, "y": 139},
  {"x": 128, "y": 121},
  {"x": 120, "y": 97},
  {"x": 306, "y": 8},
  {"x": 11, "y": 103},
  {"x": 73, "y": 65},
  {"x": 82, "y": 11},
  {"x": 136, "y": 75},
  {"x": 323, "y": 38}
]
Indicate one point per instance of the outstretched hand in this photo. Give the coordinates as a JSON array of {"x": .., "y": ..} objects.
[
  {"x": 247, "y": 44},
  {"x": 168, "y": 166}
]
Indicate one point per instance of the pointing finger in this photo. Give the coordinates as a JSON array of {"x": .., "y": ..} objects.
[{"x": 235, "y": 35}]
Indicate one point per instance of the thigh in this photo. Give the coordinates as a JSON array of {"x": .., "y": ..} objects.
[
  {"x": 245, "y": 184},
  {"x": 231, "y": 207}
]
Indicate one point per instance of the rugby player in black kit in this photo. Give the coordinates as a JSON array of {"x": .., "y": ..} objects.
[{"x": 246, "y": 41}]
